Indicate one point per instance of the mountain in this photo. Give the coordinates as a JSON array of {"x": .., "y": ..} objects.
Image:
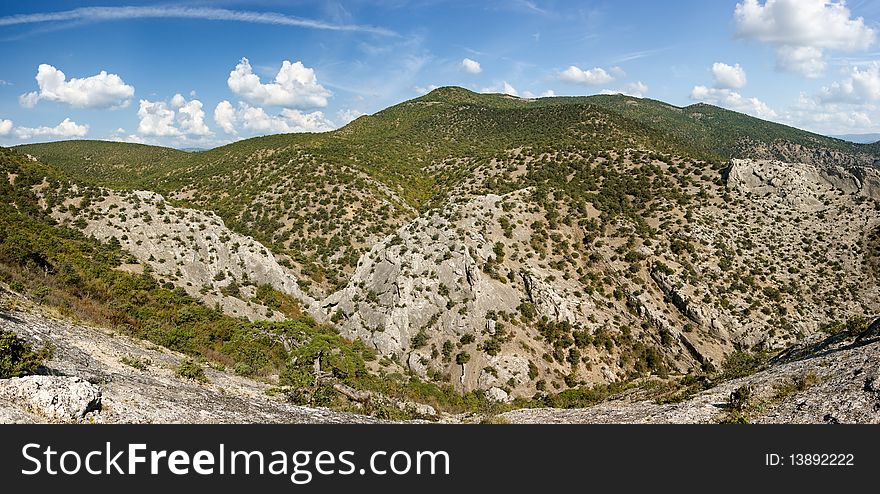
[
  {"x": 494, "y": 246},
  {"x": 859, "y": 138}
]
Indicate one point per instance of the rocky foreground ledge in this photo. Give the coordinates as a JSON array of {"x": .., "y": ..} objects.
[
  {"x": 91, "y": 379},
  {"x": 831, "y": 380},
  {"x": 88, "y": 382}
]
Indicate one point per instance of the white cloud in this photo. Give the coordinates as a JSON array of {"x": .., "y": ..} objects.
[
  {"x": 802, "y": 29},
  {"x": 190, "y": 116},
  {"x": 471, "y": 66},
  {"x": 546, "y": 94},
  {"x": 67, "y": 128},
  {"x": 636, "y": 89},
  {"x": 807, "y": 61},
  {"x": 425, "y": 89},
  {"x": 94, "y": 14},
  {"x": 5, "y": 127},
  {"x": 728, "y": 76},
  {"x": 183, "y": 118},
  {"x": 617, "y": 72},
  {"x": 346, "y": 116},
  {"x": 847, "y": 106},
  {"x": 861, "y": 85},
  {"x": 732, "y": 100},
  {"x": 257, "y": 120},
  {"x": 504, "y": 88},
  {"x": 119, "y": 135},
  {"x": 295, "y": 86},
  {"x": 832, "y": 117},
  {"x": 98, "y": 91},
  {"x": 156, "y": 119},
  {"x": 224, "y": 116},
  {"x": 592, "y": 77}
]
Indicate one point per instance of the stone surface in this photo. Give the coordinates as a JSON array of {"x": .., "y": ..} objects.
[
  {"x": 57, "y": 398},
  {"x": 129, "y": 395},
  {"x": 193, "y": 249},
  {"x": 847, "y": 391}
]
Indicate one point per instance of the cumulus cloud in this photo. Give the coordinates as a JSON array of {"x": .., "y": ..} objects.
[
  {"x": 67, "y": 128},
  {"x": 295, "y": 86},
  {"x": 346, "y": 116},
  {"x": 863, "y": 84},
  {"x": 471, "y": 66},
  {"x": 183, "y": 118},
  {"x": 728, "y": 76},
  {"x": 98, "y": 91},
  {"x": 832, "y": 117},
  {"x": 119, "y": 135},
  {"x": 546, "y": 94},
  {"x": 425, "y": 89},
  {"x": 636, "y": 89},
  {"x": 5, "y": 127},
  {"x": 504, "y": 88},
  {"x": 592, "y": 77},
  {"x": 732, "y": 100},
  {"x": 156, "y": 119},
  {"x": 190, "y": 116},
  {"x": 257, "y": 120},
  {"x": 224, "y": 116},
  {"x": 808, "y": 61},
  {"x": 802, "y": 30}
]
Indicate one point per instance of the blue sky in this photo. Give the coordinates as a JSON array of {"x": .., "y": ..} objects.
[{"x": 203, "y": 73}]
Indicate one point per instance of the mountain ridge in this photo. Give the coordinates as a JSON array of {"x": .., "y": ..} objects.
[{"x": 528, "y": 247}]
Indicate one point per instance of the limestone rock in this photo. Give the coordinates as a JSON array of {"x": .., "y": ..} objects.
[
  {"x": 498, "y": 394},
  {"x": 63, "y": 399}
]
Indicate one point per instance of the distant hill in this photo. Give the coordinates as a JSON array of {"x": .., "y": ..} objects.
[{"x": 859, "y": 138}]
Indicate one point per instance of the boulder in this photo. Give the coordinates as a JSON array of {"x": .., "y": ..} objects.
[{"x": 58, "y": 398}]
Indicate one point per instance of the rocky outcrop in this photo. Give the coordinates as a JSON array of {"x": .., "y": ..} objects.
[
  {"x": 191, "y": 248},
  {"x": 799, "y": 185},
  {"x": 89, "y": 382},
  {"x": 836, "y": 385},
  {"x": 57, "y": 398}
]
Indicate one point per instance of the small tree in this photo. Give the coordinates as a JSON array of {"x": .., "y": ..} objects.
[{"x": 18, "y": 358}]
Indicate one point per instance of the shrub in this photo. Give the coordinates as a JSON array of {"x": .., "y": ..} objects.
[
  {"x": 18, "y": 358},
  {"x": 243, "y": 369},
  {"x": 420, "y": 339},
  {"x": 136, "y": 362},
  {"x": 190, "y": 369},
  {"x": 462, "y": 358},
  {"x": 739, "y": 398},
  {"x": 741, "y": 364}
]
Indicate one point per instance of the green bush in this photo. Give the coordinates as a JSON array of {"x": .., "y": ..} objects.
[
  {"x": 136, "y": 362},
  {"x": 18, "y": 358},
  {"x": 741, "y": 364},
  {"x": 190, "y": 369}
]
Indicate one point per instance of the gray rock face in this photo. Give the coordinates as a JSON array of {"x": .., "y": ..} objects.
[
  {"x": 194, "y": 249},
  {"x": 842, "y": 388},
  {"x": 129, "y": 395},
  {"x": 61, "y": 399},
  {"x": 431, "y": 277},
  {"x": 801, "y": 185}
]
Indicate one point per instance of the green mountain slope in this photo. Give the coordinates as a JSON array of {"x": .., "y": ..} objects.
[
  {"x": 533, "y": 246},
  {"x": 323, "y": 199}
]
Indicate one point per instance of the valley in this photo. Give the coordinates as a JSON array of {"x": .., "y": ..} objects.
[{"x": 473, "y": 252}]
